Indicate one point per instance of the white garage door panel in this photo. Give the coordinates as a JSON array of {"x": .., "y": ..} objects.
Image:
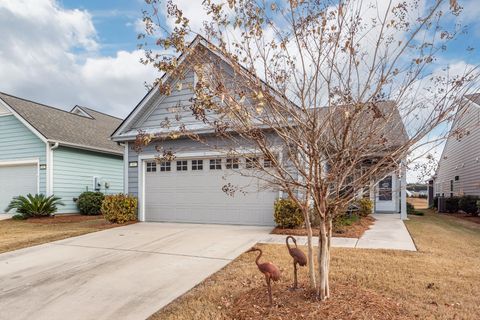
[
  {"x": 15, "y": 181},
  {"x": 197, "y": 196}
]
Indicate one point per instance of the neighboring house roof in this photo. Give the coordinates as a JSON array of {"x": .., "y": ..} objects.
[{"x": 67, "y": 128}]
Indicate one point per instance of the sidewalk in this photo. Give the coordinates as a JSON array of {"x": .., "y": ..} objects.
[{"x": 387, "y": 232}]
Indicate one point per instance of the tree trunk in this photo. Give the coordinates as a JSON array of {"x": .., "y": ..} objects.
[
  {"x": 323, "y": 289},
  {"x": 311, "y": 261}
]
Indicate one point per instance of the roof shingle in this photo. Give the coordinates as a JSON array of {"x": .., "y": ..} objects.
[{"x": 58, "y": 125}]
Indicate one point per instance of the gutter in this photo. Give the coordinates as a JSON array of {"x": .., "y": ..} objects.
[{"x": 83, "y": 147}]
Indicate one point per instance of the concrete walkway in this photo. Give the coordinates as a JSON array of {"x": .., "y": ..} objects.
[
  {"x": 5, "y": 216},
  {"x": 387, "y": 232},
  {"x": 128, "y": 272}
]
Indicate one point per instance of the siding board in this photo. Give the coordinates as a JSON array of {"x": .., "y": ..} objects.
[
  {"x": 461, "y": 156},
  {"x": 74, "y": 169}
]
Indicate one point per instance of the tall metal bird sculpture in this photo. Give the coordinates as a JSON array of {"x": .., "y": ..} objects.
[
  {"x": 270, "y": 271},
  {"x": 298, "y": 258}
]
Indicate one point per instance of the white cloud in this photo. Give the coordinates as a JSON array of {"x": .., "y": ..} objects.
[{"x": 51, "y": 55}]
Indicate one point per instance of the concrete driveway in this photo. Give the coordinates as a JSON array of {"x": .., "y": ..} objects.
[{"x": 122, "y": 273}]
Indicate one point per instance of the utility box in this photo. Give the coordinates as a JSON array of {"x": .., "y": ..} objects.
[{"x": 442, "y": 207}]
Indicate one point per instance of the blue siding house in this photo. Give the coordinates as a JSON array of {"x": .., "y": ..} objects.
[{"x": 51, "y": 151}]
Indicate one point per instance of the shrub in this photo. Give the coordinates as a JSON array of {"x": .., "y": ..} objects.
[
  {"x": 19, "y": 217},
  {"x": 119, "y": 208},
  {"x": 365, "y": 207},
  {"x": 451, "y": 204},
  {"x": 435, "y": 202},
  {"x": 37, "y": 205},
  {"x": 468, "y": 204},
  {"x": 90, "y": 203},
  {"x": 411, "y": 210},
  {"x": 288, "y": 214},
  {"x": 341, "y": 223}
]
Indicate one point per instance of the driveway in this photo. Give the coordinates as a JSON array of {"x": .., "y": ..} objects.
[{"x": 122, "y": 273}]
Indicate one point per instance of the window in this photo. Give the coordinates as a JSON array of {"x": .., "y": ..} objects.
[
  {"x": 385, "y": 189},
  {"x": 267, "y": 163},
  {"x": 251, "y": 162},
  {"x": 182, "y": 165},
  {"x": 232, "y": 163},
  {"x": 457, "y": 178},
  {"x": 197, "y": 165},
  {"x": 151, "y": 167},
  {"x": 451, "y": 185},
  {"x": 215, "y": 164},
  {"x": 165, "y": 166}
]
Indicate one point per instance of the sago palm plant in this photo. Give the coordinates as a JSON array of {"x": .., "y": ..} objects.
[{"x": 37, "y": 205}]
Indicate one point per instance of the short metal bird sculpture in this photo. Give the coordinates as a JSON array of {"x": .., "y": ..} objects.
[
  {"x": 270, "y": 271},
  {"x": 298, "y": 258}
]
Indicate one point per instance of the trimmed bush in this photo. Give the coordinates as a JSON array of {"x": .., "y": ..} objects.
[
  {"x": 412, "y": 211},
  {"x": 468, "y": 204},
  {"x": 288, "y": 214},
  {"x": 435, "y": 202},
  {"x": 37, "y": 205},
  {"x": 410, "y": 208},
  {"x": 90, "y": 203},
  {"x": 451, "y": 204},
  {"x": 365, "y": 207},
  {"x": 119, "y": 208}
]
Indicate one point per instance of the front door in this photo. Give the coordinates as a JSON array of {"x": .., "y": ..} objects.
[{"x": 386, "y": 195}]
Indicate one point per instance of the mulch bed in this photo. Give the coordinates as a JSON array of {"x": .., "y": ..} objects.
[
  {"x": 347, "y": 302},
  {"x": 356, "y": 230},
  {"x": 75, "y": 218}
]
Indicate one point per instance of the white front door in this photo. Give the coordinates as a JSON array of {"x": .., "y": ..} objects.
[
  {"x": 190, "y": 190},
  {"x": 386, "y": 199},
  {"x": 16, "y": 180}
]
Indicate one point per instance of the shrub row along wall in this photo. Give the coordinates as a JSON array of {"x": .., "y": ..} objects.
[{"x": 468, "y": 204}]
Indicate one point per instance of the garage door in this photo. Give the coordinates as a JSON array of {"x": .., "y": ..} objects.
[
  {"x": 16, "y": 180},
  {"x": 191, "y": 191}
]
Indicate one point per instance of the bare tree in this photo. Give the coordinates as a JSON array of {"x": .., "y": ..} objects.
[{"x": 329, "y": 95}]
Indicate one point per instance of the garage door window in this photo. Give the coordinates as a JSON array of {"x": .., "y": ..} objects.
[
  {"x": 151, "y": 167},
  {"x": 267, "y": 163},
  {"x": 232, "y": 163},
  {"x": 251, "y": 162},
  {"x": 182, "y": 165},
  {"x": 165, "y": 166},
  {"x": 197, "y": 165},
  {"x": 215, "y": 164}
]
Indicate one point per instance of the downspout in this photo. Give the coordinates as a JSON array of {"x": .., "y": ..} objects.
[{"x": 50, "y": 166}]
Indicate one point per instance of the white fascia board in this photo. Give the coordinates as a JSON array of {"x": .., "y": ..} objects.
[
  {"x": 88, "y": 148},
  {"x": 79, "y": 110}
]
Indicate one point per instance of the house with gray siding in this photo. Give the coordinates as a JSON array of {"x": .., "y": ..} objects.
[
  {"x": 189, "y": 187},
  {"x": 45, "y": 150},
  {"x": 458, "y": 171}
]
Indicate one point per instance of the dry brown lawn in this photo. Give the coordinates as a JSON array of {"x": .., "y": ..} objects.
[
  {"x": 440, "y": 281},
  {"x": 418, "y": 203},
  {"x": 17, "y": 234}
]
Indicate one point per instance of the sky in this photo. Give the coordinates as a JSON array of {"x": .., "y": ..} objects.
[{"x": 72, "y": 52}]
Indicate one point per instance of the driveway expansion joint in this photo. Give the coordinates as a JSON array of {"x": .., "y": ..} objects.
[{"x": 142, "y": 251}]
